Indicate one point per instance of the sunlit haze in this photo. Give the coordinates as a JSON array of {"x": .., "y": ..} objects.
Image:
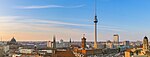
[{"x": 37, "y": 20}]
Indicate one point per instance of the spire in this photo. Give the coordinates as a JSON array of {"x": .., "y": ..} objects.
[
  {"x": 54, "y": 47},
  {"x": 95, "y": 7},
  {"x": 54, "y": 38},
  {"x": 69, "y": 43},
  {"x": 54, "y": 42},
  {"x": 70, "y": 40}
]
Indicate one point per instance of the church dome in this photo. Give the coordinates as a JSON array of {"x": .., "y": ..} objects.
[
  {"x": 13, "y": 40},
  {"x": 108, "y": 41},
  {"x": 145, "y": 37}
]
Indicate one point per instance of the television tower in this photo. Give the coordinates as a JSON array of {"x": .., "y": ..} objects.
[{"x": 95, "y": 27}]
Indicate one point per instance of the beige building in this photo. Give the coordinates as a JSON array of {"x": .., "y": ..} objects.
[
  {"x": 139, "y": 51},
  {"x": 109, "y": 44},
  {"x": 116, "y": 40}
]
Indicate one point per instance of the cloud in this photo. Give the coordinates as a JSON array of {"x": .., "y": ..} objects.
[
  {"x": 77, "y": 6},
  {"x": 40, "y": 7},
  {"x": 8, "y": 17},
  {"x": 59, "y": 22},
  {"x": 40, "y": 22},
  {"x": 31, "y": 29},
  {"x": 113, "y": 29},
  {"x": 48, "y": 6},
  {"x": 26, "y": 27}
]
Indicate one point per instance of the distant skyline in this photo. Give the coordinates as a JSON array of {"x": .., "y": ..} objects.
[{"x": 41, "y": 19}]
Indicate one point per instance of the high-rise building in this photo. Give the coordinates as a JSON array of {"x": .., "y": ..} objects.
[
  {"x": 116, "y": 40},
  {"x": 126, "y": 43}
]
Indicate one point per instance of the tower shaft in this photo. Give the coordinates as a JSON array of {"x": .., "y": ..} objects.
[{"x": 95, "y": 35}]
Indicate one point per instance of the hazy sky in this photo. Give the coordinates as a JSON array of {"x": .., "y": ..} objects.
[{"x": 41, "y": 19}]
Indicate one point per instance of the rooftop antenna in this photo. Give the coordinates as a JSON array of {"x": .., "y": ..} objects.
[{"x": 95, "y": 9}]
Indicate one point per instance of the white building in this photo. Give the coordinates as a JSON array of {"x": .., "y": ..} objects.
[
  {"x": 61, "y": 45},
  {"x": 6, "y": 48},
  {"x": 16, "y": 55},
  {"x": 27, "y": 51},
  {"x": 3, "y": 43},
  {"x": 49, "y": 44}
]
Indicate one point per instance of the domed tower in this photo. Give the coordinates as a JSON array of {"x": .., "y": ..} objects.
[
  {"x": 83, "y": 42},
  {"x": 145, "y": 44},
  {"x": 13, "y": 41}
]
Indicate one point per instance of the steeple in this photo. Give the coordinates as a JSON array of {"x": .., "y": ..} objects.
[
  {"x": 70, "y": 40},
  {"x": 54, "y": 42},
  {"x": 54, "y": 47},
  {"x": 83, "y": 42},
  {"x": 95, "y": 26}
]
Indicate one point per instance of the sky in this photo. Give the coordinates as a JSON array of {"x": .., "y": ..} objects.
[{"x": 40, "y": 20}]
